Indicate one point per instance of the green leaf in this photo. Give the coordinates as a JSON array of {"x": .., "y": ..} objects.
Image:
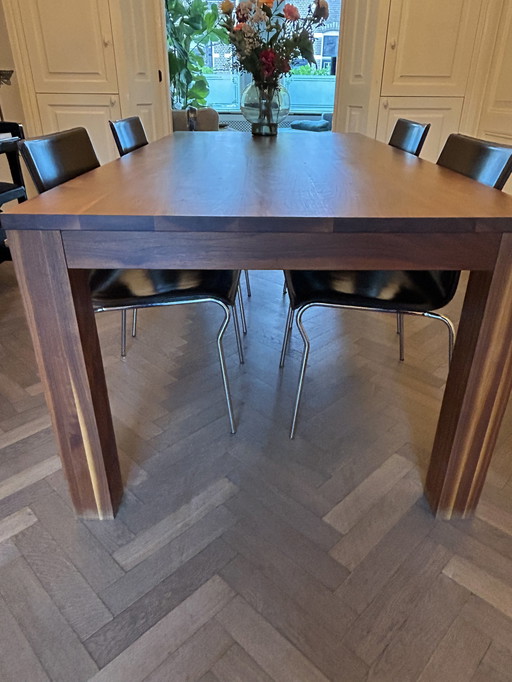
[{"x": 200, "y": 88}]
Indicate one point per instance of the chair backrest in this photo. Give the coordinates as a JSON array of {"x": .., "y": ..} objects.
[
  {"x": 56, "y": 158},
  {"x": 481, "y": 160},
  {"x": 129, "y": 134},
  {"x": 409, "y": 136},
  {"x": 14, "y": 129},
  {"x": 205, "y": 119}
]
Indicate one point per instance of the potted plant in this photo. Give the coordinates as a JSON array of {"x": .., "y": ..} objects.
[{"x": 191, "y": 26}]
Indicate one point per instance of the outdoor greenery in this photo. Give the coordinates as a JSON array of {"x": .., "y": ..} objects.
[
  {"x": 191, "y": 25},
  {"x": 308, "y": 70}
]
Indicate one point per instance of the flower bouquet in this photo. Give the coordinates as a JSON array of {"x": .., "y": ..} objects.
[{"x": 266, "y": 36}]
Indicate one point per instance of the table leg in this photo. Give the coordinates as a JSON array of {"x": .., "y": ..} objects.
[
  {"x": 477, "y": 391},
  {"x": 61, "y": 320}
]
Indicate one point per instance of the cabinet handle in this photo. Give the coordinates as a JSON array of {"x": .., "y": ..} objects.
[
  {"x": 385, "y": 104},
  {"x": 113, "y": 101},
  {"x": 107, "y": 42},
  {"x": 392, "y": 44}
]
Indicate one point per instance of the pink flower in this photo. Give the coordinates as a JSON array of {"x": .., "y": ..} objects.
[
  {"x": 238, "y": 27},
  {"x": 291, "y": 12},
  {"x": 268, "y": 63}
]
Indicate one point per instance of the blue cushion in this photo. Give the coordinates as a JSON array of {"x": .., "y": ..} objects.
[{"x": 315, "y": 126}]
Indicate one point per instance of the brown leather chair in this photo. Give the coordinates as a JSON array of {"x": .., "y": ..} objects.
[
  {"x": 409, "y": 136},
  {"x": 54, "y": 159},
  {"x": 129, "y": 134},
  {"x": 204, "y": 119},
  {"x": 411, "y": 292}
]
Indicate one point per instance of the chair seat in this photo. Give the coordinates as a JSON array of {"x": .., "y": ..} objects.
[
  {"x": 138, "y": 288},
  {"x": 420, "y": 291}
]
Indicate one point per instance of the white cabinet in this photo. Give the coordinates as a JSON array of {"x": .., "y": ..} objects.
[
  {"x": 71, "y": 45},
  {"x": 419, "y": 60},
  {"x": 83, "y": 62},
  {"x": 496, "y": 114},
  {"x": 92, "y": 112},
  {"x": 443, "y": 114},
  {"x": 429, "y": 47}
]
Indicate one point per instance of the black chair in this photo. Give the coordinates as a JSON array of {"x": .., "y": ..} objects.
[
  {"x": 14, "y": 190},
  {"x": 409, "y": 136},
  {"x": 204, "y": 119},
  {"x": 409, "y": 292},
  {"x": 129, "y": 134},
  {"x": 54, "y": 159}
]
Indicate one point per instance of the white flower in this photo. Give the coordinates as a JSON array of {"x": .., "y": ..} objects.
[{"x": 258, "y": 16}]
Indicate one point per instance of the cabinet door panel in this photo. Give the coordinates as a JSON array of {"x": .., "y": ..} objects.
[
  {"x": 71, "y": 48},
  {"x": 60, "y": 112},
  {"x": 443, "y": 114},
  {"x": 496, "y": 119},
  {"x": 143, "y": 60},
  {"x": 429, "y": 47}
]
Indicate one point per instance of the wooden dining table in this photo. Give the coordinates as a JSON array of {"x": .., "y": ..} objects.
[{"x": 302, "y": 201}]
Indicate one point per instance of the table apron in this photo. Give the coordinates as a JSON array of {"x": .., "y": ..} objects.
[{"x": 215, "y": 250}]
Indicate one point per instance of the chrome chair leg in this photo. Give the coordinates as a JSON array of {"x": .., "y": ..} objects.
[
  {"x": 401, "y": 338},
  {"x": 248, "y": 283},
  {"x": 134, "y": 323},
  {"x": 287, "y": 333},
  {"x": 123, "y": 333},
  {"x": 223, "y": 364},
  {"x": 242, "y": 309},
  {"x": 302, "y": 368},
  {"x": 238, "y": 335},
  {"x": 451, "y": 331}
]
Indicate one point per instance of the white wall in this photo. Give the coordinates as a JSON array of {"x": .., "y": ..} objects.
[{"x": 9, "y": 95}]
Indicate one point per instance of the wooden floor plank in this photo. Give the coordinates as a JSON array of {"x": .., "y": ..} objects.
[
  {"x": 484, "y": 585},
  {"x": 355, "y": 545},
  {"x": 70, "y": 592},
  {"x": 82, "y": 548},
  {"x": 311, "y": 599},
  {"x": 155, "y": 645},
  {"x": 164, "y": 531},
  {"x": 426, "y": 628},
  {"x": 278, "y": 658},
  {"x": 145, "y": 575},
  {"x": 299, "y": 626},
  {"x": 31, "y": 475},
  {"x": 195, "y": 657},
  {"x": 458, "y": 655},
  {"x": 290, "y": 578},
  {"x": 373, "y": 631},
  {"x": 58, "y": 648},
  {"x": 237, "y": 666},
  {"x": 112, "y": 639},
  {"x": 18, "y": 660},
  {"x": 299, "y": 548},
  {"x": 15, "y": 523}
]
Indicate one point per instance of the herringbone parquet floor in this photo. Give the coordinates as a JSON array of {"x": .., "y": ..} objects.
[{"x": 251, "y": 558}]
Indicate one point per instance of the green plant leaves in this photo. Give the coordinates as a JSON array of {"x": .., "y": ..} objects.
[{"x": 191, "y": 25}]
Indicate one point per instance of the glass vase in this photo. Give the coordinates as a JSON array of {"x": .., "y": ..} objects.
[{"x": 265, "y": 106}]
